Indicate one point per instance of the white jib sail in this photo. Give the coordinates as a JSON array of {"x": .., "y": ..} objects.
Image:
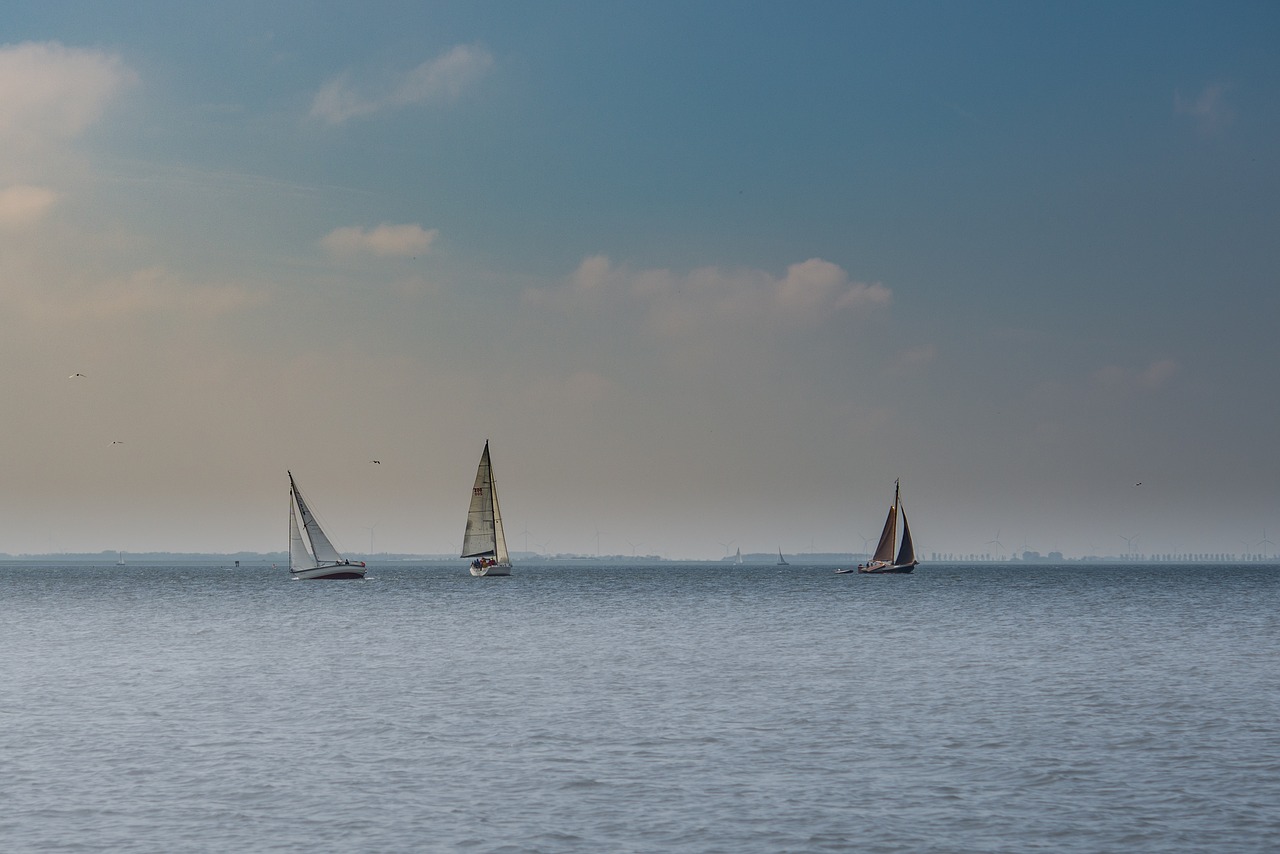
[{"x": 499, "y": 538}]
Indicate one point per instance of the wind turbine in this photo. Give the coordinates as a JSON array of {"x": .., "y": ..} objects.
[
  {"x": 633, "y": 547},
  {"x": 370, "y": 528},
  {"x": 1264, "y": 542},
  {"x": 865, "y": 540},
  {"x": 1128, "y": 544},
  {"x": 996, "y": 541},
  {"x": 726, "y": 546}
]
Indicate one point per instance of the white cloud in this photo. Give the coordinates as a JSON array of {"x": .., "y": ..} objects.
[
  {"x": 1155, "y": 376},
  {"x": 25, "y": 204},
  {"x": 1208, "y": 109},
  {"x": 439, "y": 80},
  {"x": 818, "y": 286},
  {"x": 151, "y": 292},
  {"x": 1158, "y": 374},
  {"x": 811, "y": 292},
  {"x": 385, "y": 240},
  {"x": 52, "y": 92}
]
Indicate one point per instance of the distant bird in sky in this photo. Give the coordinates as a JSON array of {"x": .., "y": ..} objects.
[
  {"x": 376, "y": 462},
  {"x": 1139, "y": 483},
  {"x": 77, "y": 374},
  {"x": 116, "y": 442}
]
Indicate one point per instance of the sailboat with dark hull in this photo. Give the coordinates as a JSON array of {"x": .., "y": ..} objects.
[
  {"x": 313, "y": 556},
  {"x": 483, "y": 538},
  {"x": 883, "y": 561}
]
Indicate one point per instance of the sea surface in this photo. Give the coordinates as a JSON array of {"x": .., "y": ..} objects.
[{"x": 663, "y": 708}]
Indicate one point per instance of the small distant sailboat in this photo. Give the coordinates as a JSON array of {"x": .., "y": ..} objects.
[
  {"x": 782, "y": 561},
  {"x": 321, "y": 560},
  {"x": 883, "y": 561},
  {"x": 483, "y": 538},
  {"x": 738, "y": 557}
]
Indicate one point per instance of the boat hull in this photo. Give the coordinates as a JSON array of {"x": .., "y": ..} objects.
[
  {"x": 495, "y": 570},
  {"x": 888, "y": 569},
  {"x": 331, "y": 571}
]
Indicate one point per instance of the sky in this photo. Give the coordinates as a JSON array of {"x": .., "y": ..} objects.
[{"x": 707, "y": 275}]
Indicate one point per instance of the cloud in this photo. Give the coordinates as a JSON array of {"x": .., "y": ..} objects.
[
  {"x": 1157, "y": 375},
  {"x": 441, "y": 80},
  {"x": 812, "y": 292},
  {"x": 24, "y": 204},
  {"x": 384, "y": 241},
  {"x": 148, "y": 293},
  {"x": 51, "y": 92},
  {"x": 1208, "y": 109},
  {"x": 818, "y": 286}
]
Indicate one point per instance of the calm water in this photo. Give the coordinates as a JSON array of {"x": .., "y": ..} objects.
[{"x": 583, "y": 709}]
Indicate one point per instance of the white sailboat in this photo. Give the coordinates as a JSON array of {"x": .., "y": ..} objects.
[
  {"x": 883, "y": 560},
  {"x": 738, "y": 557},
  {"x": 321, "y": 559},
  {"x": 782, "y": 561},
  {"x": 483, "y": 538}
]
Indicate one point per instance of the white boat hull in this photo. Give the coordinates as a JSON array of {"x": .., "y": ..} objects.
[
  {"x": 331, "y": 571},
  {"x": 486, "y": 571}
]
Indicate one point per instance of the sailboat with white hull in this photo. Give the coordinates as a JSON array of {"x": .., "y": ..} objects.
[
  {"x": 883, "y": 561},
  {"x": 483, "y": 538},
  {"x": 311, "y": 555}
]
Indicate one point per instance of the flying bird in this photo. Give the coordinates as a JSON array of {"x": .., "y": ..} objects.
[
  {"x": 116, "y": 442},
  {"x": 1139, "y": 483},
  {"x": 77, "y": 374},
  {"x": 376, "y": 462}
]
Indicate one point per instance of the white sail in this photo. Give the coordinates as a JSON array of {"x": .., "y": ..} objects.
[
  {"x": 299, "y": 557},
  {"x": 321, "y": 548},
  {"x": 480, "y": 539},
  {"x": 499, "y": 538}
]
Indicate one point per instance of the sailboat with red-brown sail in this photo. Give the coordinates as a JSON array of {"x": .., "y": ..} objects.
[{"x": 883, "y": 561}]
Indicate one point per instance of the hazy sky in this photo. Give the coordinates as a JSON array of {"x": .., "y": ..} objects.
[{"x": 707, "y": 275}]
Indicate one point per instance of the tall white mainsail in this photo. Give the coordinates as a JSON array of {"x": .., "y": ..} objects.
[
  {"x": 321, "y": 548},
  {"x": 480, "y": 537},
  {"x": 483, "y": 537},
  {"x": 299, "y": 557}
]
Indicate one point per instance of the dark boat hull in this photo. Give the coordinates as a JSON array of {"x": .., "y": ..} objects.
[{"x": 894, "y": 569}]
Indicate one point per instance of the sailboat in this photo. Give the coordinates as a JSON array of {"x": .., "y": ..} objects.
[
  {"x": 320, "y": 559},
  {"x": 782, "y": 561},
  {"x": 738, "y": 557},
  {"x": 883, "y": 560},
  {"x": 483, "y": 538}
]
